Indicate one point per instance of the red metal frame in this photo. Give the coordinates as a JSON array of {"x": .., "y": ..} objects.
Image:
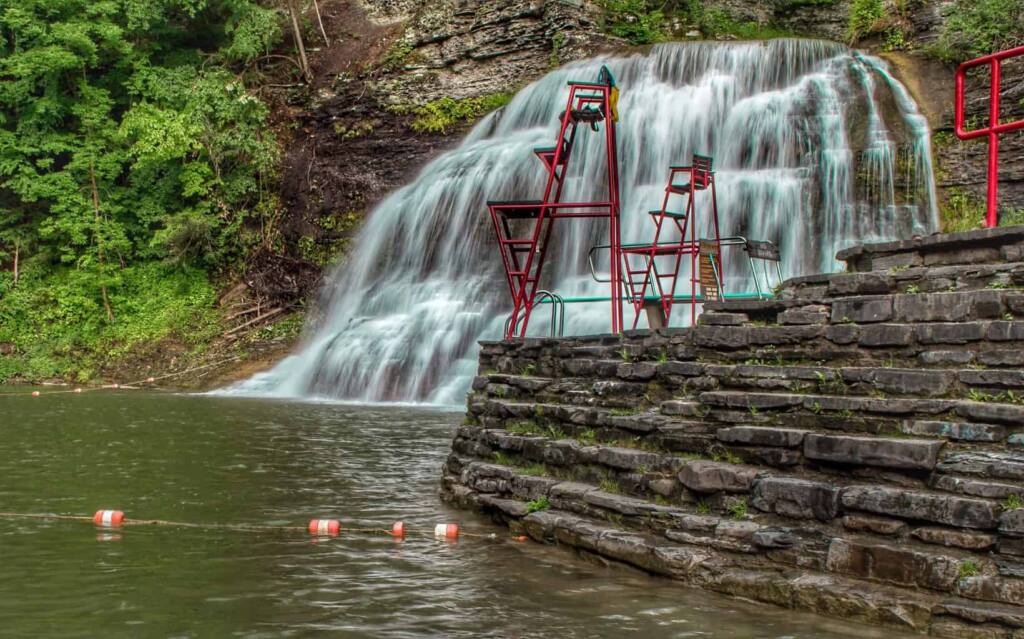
[
  {"x": 700, "y": 177},
  {"x": 523, "y": 257},
  {"x": 994, "y": 128}
]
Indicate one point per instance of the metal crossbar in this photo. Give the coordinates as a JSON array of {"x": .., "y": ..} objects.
[{"x": 994, "y": 128}]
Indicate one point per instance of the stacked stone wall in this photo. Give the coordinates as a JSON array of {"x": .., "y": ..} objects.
[{"x": 854, "y": 446}]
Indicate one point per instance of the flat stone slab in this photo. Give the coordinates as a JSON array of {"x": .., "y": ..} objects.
[
  {"x": 738, "y": 399},
  {"x": 892, "y": 564},
  {"x": 960, "y": 512},
  {"x": 797, "y": 498},
  {"x": 873, "y": 451},
  {"x": 958, "y": 431},
  {"x": 999, "y": 465},
  {"x": 762, "y": 436},
  {"x": 713, "y": 477},
  {"x": 954, "y": 538}
]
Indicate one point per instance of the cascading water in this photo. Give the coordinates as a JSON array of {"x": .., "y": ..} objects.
[{"x": 815, "y": 146}]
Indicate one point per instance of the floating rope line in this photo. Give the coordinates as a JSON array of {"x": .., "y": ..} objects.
[
  {"x": 115, "y": 519},
  {"x": 135, "y": 385}
]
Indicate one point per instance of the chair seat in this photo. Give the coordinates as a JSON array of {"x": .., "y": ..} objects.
[{"x": 672, "y": 214}]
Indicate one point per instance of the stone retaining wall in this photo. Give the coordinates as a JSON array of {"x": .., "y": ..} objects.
[{"x": 854, "y": 447}]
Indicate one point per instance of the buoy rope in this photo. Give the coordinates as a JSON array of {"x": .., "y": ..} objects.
[
  {"x": 126, "y": 522},
  {"x": 134, "y": 385}
]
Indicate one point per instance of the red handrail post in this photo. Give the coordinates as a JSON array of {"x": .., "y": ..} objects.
[{"x": 994, "y": 128}]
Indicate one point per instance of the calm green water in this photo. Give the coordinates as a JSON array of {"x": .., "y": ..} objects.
[{"x": 213, "y": 459}]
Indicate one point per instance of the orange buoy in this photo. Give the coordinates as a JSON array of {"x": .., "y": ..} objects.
[
  {"x": 324, "y": 527},
  {"x": 398, "y": 529},
  {"x": 520, "y": 538},
  {"x": 35, "y": 393},
  {"x": 447, "y": 531},
  {"x": 108, "y": 518}
]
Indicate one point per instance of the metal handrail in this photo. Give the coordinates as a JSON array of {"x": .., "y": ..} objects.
[
  {"x": 735, "y": 240},
  {"x": 557, "y": 309},
  {"x": 994, "y": 128}
]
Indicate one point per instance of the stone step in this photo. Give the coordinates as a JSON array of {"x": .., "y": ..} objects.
[
  {"x": 708, "y": 476},
  {"x": 986, "y": 412},
  {"x": 825, "y": 288},
  {"x": 928, "y": 307},
  {"x": 982, "y": 246}
]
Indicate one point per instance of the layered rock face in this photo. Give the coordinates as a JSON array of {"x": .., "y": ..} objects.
[{"x": 854, "y": 447}]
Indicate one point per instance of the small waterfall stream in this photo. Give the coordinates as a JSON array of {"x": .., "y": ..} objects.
[{"x": 816, "y": 147}]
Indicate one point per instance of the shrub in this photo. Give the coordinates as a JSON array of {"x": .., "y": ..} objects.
[
  {"x": 634, "y": 21},
  {"x": 440, "y": 115}
]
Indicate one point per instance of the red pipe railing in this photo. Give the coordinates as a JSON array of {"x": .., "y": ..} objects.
[{"x": 994, "y": 128}]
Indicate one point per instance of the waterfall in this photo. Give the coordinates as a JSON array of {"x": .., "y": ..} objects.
[{"x": 816, "y": 147}]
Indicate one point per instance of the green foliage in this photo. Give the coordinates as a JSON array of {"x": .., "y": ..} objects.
[
  {"x": 557, "y": 42},
  {"x": 969, "y": 568},
  {"x": 440, "y": 115},
  {"x": 1013, "y": 502},
  {"x": 537, "y": 505},
  {"x": 864, "y": 19},
  {"x": 738, "y": 508},
  {"x": 716, "y": 23},
  {"x": 55, "y": 321},
  {"x": 963, "y": 211},
  {"x": 397, "y": 54},
  {"x": 974, "y": 28},
  {"x": 635, "y": 21},
  {"x": 125, "y": 141}
]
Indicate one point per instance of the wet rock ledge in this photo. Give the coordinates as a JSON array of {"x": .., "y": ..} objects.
[{"x": 854, "y": 447}]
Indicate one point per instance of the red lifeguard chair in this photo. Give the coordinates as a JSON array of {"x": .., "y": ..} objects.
[
  {"x": 524, "y": 227},
  {"x": 652, "y": 270}
]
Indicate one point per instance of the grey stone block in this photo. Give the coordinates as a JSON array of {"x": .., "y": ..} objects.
[
  {"x": 842, "y": 334},
  {"x": 1012, "y": 414},
  {"x": 722, "y": 319},
  {"x": 989, "y": 588},
  {"x": 712, "y": 477},
  {"x": 976, "y": 487},
  {"x": 959, "y": 431},
  {"x": 862, "y": 310},
  {"x": 954, "y": 538},
  {"x": 1011, "y": 522},
  {"x": 797, "y": 498},
  {"x": 997, "y": 464},
  {"x": 761, "y": 436},
  {"x": 892, "y": 564},
  {"x": 886, "y": 335},
  {"x": 872, "y": 451},
  {"x": 959, "y": 512},
  {"x": 951, "y": 333}
]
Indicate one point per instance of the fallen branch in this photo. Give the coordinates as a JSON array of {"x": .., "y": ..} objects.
[{"x": 256, "y": 320}]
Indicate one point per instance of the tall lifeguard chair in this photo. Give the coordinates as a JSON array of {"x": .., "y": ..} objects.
[
  {"x": 652, "y": 270},
  {"x": 523, "y": 227}
]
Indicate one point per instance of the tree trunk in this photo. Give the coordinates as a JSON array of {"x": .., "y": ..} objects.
[
  {"x": 319, "y": 20},
  {"x": 99, "y": 239},
  {"x": 303, "y": 60}
]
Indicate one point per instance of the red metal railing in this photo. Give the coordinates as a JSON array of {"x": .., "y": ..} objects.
[{"x": 994, "y": 128}]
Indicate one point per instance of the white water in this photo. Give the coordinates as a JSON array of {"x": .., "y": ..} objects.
[{"x": 816, "y": 147}]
